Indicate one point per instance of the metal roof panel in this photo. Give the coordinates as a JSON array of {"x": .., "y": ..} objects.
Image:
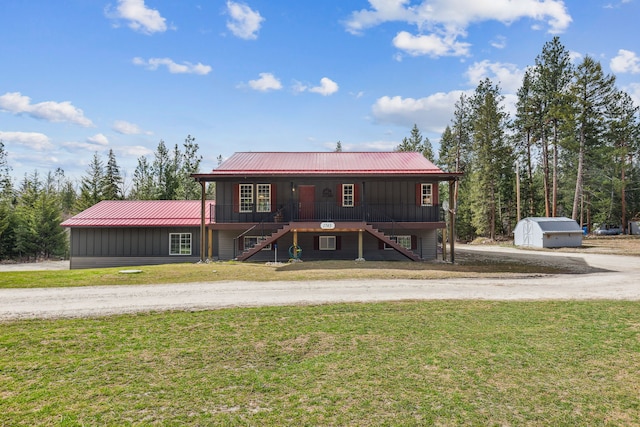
[{"x": 139, "y": 213}]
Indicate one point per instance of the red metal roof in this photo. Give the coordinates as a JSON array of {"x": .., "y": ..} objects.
[
  {"x": 140, "y": 213},
  {"x": 321, "y": 163}
]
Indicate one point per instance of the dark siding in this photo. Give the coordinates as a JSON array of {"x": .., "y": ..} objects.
[{"x": 123, "y": 242}]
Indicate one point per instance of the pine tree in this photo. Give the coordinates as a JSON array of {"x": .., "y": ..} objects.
[
  {"x": 417, "y": 143},
  {"x": 491, "y": 178},
  {"x": 188, "y": 188},
  {"x": 592, "y": 91},
  {"x": 143, "y": 187},
  {"x": 553, "y": 78},
  {"x": 91, "y": 185},
  {"x": 7, "y": 217},
  {"x": 112, "y": 179}
]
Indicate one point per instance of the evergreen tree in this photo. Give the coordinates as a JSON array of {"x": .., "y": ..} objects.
[
  {"x": 7, "y": 217},
  {"x": 338, "y": 147},
  {"x": 188, "y": 188},
  {"x": 491, "y": 176},
  {"x": 112, "y": 179},
  {"x": 553, "y": 78},
  {"x": 143, "y": 187},
  {"x": 592, "y": 91},
  {"x": 91, "y": 185},
  {"x": 165, "y": 172},
  {"x": 417, "y": 143},
  {"x": 524, "y": 126}
]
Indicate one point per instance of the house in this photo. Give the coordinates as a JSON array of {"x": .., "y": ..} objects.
[
  {"x": 325, "y": 205},
  {"x": 115, "y": 233},
  {"x": 540, "y": 232}
]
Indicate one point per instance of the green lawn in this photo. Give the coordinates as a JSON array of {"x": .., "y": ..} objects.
[
  {"x": 406, "y": 363},
  {"x": 313, "y": 270}
]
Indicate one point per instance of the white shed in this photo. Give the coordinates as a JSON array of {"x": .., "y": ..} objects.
[{"x": 547, "y": 233}]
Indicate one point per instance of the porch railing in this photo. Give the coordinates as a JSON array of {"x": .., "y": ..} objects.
[{"x": 326, "y": 211}]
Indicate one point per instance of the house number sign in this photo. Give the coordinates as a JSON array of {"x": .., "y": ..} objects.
[{"x": 327, "y": 225}]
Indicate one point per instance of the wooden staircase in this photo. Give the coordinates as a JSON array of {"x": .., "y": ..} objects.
[
  {"x": 386, "y": 239},
  {"x": 258, "y": 247}
]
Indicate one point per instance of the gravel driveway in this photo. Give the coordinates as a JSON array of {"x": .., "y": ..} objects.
[{"x": 609, "y": 277}]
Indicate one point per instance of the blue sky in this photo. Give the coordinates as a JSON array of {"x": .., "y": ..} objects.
[{"x": 86, "y": 76}]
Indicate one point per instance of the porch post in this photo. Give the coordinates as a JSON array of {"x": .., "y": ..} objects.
[
  {"x": 452, "y": 220},
  {"x": 360, "y": 251},
  {"x": 203, "y": 236}
]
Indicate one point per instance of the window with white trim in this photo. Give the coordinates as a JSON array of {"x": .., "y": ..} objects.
[
  {"x": 404, "y": 241},
  {"x": 327, "y": 243},
  {"x": 179, "y": 243},
  {"x": 426, "y": 193},
  {"x": 263, "y": 194},
  {"x": 251, "y": 241},
  {"x": 246, "y": 197},
  {"x": 347, "y": 195}
]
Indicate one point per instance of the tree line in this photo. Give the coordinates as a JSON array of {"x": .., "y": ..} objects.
[
  {"x": 570, "y": 150},
  {"x": 32, "y": 210}
]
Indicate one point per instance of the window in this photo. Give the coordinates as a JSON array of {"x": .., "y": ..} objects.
[
  {"x": 180, "y": 244},
  {"x": 327, "y": 243},
  {"x": 426, "y": 194},
  {"x": 246, "y": 197},
  {"x": 263, "y": 193},
  {"x": 251, "y": 241},
  {"x": 404, "y": 241},
  {"x": 347, "y": 195}
]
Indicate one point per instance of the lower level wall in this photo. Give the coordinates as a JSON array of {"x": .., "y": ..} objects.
[
  {"x": 78, "y": 262},
  {"x": 427, "y": 247}
]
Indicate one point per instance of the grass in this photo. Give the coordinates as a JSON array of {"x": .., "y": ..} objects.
[
  {"x": 406, "y": 363},
  {"x": 226, "y": 271}
]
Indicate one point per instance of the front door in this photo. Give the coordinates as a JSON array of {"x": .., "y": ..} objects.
[{"x": 306, "y": 201}]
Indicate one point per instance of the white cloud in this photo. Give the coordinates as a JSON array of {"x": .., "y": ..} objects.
[
  {"x": 140, "y": 17},
  {"x": 173, "y": 67},
  {"x": 126, "y": 128},
  {"x": 98, "y": 139},
  {"x": 133, "y": 151},
  {"x": 33, "y": 140},
  {"x": 431, "y": 44},
  {"x": 500, "y": 42},
  {"x": 245, "y": 22},
  {"x": 327, "y": 87},
  {"x": 444, "y": 21},
  {"x": 430, "y": 113},
  {"x": 265, "y": 83},
  {"x": 626, "y": 62},
  {"x": 73, "y": 146},
  {"x": 507, "y": 75},
  {"x": 16, "y": 103}
]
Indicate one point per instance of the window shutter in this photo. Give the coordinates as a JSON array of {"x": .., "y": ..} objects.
[
  {"x": 414, "y": 242},
  {"x": 339, "y": 195},
  {"x": 274, "y": 205},
  {"x": 418, "y": 194},
  {"x": 338, "y": 243},
  {"x": 316, "y": 243},
  {"x": 356, "y": 194},
  {"x": 434, "y": 196},
  {"x": 236, "y": 198}
]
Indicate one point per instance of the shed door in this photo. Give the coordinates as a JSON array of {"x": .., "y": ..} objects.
[
  {"x": 527, "y": 231},
  {"x": 306, "y": 201}
]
